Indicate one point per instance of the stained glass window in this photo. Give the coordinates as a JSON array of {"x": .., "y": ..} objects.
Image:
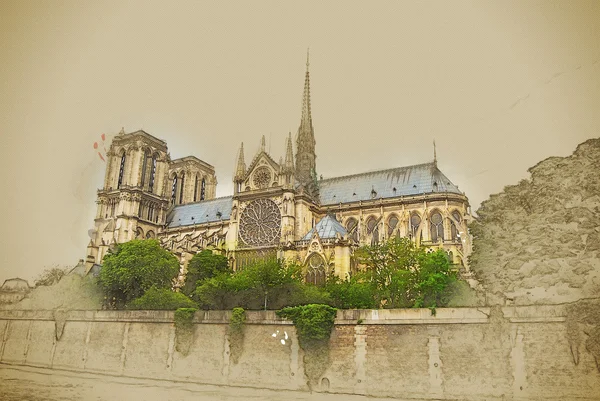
[{"x": 260, "y": 223}]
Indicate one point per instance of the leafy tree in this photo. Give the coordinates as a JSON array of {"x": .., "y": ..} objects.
[
  {"x": 269, "y": 276},
  {"x": 204, "y": 265},
  {"x": 136, "y": 266},
  {"x": 161, "y": 299},
  {"x": 404, "y": 275}
]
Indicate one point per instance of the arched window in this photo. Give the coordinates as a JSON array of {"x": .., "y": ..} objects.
[
  {"x": 139, "y": 233},
  {"x": 174, "y": 190},
  {"x": 315, "y": 269},
  {"x": 415, "y": 222},
  {"x": 373, "y": 230},
  {"x": 152, "y": 174},
  {"x": 455, "y": 231},
  {"x": 151, "y": 212},
  {"x": 121, "y": 171},
  {"x": 144, "y": 167},
  {"x": 392, "y": 223},
  {"x": 203, "y": 190},
  {"x": 437, "y": 227},
  {"x": 352, "y": 228},
  {"x": 181, "y": 186},
  {"x": 196, "y": 189},
  {"x": 150, "y": 234}
]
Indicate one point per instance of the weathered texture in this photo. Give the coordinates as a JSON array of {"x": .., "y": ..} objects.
[
  {"x": 498, "y": 353},
  {"x": 539, "y": 241}
]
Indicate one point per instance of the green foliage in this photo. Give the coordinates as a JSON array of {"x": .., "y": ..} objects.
[
  {"x": 404, "y": 275},
  {"x": 184, "y": 329},
  {"x": 161, "y": 299},
  {"x": 267, "y": 283},
  {"x": 313, "y": 322},
  {"x": 203, "y": 266},
  {"x": 236, "y": 333},
  {"x": 354, "y": 293},
  {"x": 136, "y": 266}
]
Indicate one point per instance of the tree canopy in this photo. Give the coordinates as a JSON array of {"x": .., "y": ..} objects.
[
  {"x": 204, "y": 265},
  {"x": 136, "y": 266}
]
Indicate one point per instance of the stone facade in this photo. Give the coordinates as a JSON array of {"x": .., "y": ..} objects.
[{"x": 278, "y": 208}]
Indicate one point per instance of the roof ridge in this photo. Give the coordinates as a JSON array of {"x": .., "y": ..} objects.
[{"x": 378, "y": 171}]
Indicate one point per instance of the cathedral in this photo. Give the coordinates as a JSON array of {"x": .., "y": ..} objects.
[{"x": 278, "y": 208}]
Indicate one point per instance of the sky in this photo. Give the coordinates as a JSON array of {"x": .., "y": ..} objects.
[{"x": 498, "y": 85}]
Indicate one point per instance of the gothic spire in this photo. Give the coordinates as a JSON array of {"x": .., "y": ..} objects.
[
  {"x": 262, "y": 144},
  {"x": 305, "y": 140},
  {"x": 240, "y": 170},
  {"x": 434, "y": 154},
  {"x": 289, "y": 154}
]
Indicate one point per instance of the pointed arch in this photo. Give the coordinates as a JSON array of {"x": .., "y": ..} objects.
[
  {"x": 315, "y": 269},
  {"x": 392, "y": 223},
  {"x": 456, "y": 218},
  {"x": 123, "y": 154},
  {"x": 352, "y": 228},
  {"x": 436, "y": 226}
]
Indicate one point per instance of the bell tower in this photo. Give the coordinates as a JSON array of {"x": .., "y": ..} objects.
[{"x": 132, "y": 203}]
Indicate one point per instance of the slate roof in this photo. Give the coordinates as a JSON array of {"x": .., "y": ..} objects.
[
  {"x": 200, "y": 212},
  {"x": 327, "y": 227},
  {"x": 410, "y": 180}
]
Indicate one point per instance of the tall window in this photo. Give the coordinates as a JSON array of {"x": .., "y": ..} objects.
[
  {"x": 181, "y": 188},
  {"x": 315, "y": 270},
  {"x": 373, "y": 230},
  {"x": 152, "y": 173},
  {"x": 351, "y": 227},
  {"x": 144, "y": 167},
  {"x": 415, "y": 222},
  {"x": 455, "y": 232},
  {"x": 196, "y": 189},
  {"x": 392, "y": 223},
  {"x": 151, "y": 212},
  {"x": 174, "y": 190},
  {"x": 437, "y": 227},
  {"x": 121, "y": 171},
  {"x": 203, "y": 189}
]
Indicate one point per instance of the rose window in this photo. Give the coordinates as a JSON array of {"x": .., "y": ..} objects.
[
  {"x": 260, "y": 223},
  {"x": 261, "y": 177}
]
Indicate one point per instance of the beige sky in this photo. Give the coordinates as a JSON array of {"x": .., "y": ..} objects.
[{"x": 499, "y": 85}]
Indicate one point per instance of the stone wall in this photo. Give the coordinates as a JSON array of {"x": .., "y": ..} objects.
[{"x": 498, "y": 353}]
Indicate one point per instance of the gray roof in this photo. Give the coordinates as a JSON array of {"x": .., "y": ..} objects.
[
  {"x": 200, "y": 212},
  {"x": 327, "y": 227},
  {"x": 410, "y": 180}
]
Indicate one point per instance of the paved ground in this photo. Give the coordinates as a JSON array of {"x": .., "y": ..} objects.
[{"x": 20, "y": 383}]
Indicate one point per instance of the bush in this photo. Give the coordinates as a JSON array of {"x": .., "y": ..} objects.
[
  {"x": 161, "y": 299},
  {"x": 355, "y": 293},
  {"x": 313, "y": 322}
]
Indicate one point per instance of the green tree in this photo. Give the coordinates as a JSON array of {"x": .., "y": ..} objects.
[
  {"x": 357, "y": 292},
  {"x": 271, "y": 276},
  {"x": 404, "y": 275},
  {"x": 136, "y": 266},
  {"x": 204, "y": 265}
]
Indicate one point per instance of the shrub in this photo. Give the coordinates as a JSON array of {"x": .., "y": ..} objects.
[
  {"x": 161, "y": 299},
  {"x": 313, "y": 322},
  {"x": 204, "y": 265}
]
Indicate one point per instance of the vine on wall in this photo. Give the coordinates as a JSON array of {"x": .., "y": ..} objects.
[
  {"x": 313, "y": 323},
  {"x": 235, "y": 333},
  {"x": 184, "y": 329}
]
